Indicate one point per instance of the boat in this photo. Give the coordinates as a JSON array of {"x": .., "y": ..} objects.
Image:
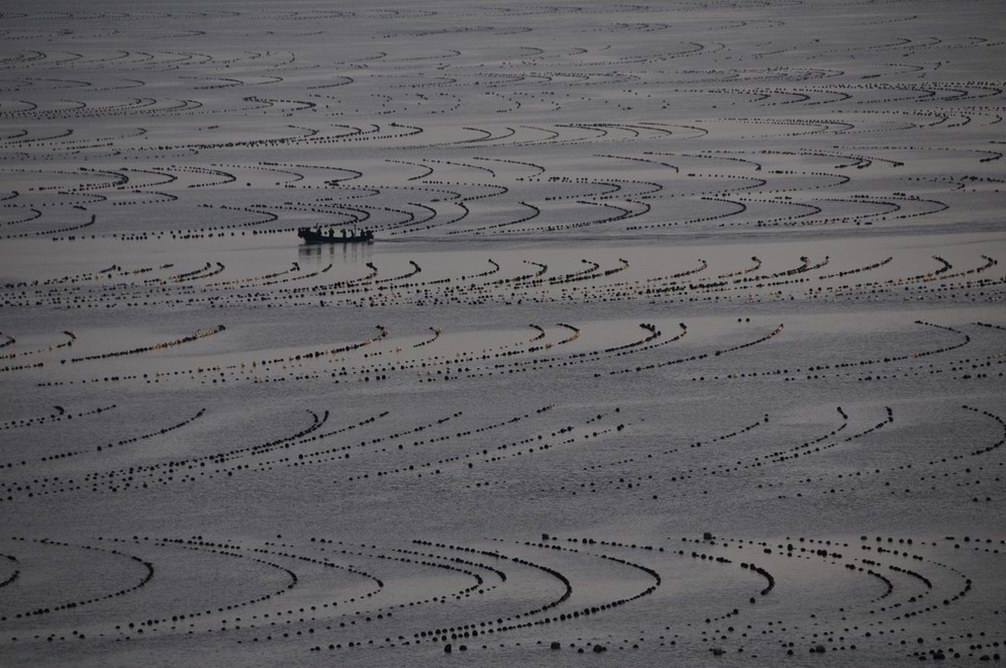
[{"x": 316, "y": 236}]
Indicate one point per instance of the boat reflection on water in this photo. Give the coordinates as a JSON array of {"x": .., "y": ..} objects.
[{"x": 348, "y": 253}]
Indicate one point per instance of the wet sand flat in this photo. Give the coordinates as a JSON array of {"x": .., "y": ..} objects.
[{"x": 680, "y": 340}]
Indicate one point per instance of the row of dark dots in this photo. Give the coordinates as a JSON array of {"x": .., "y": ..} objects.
[
  {"x": 906, "y": 467},
  {"x": 59, "y": 230},
  {"x": 73, "y": 453},
  {"x": 246, "y": 371},
  {"x": 122, "y": 479},
  {"x": 198, "y": 544},
  {"x": 242, "y": 282},
  {"x": 15, "y": 573},
  {"x": 472, "y": 629},
  {"x": 693, "y": 444},
  {"x": 830, "y": 557},
  {"x": 413, "y": 468},
  {"x": 707, "y": 539},
  {"x": 343, "y": 451},
  {"x": 813, "y": 372},
  {"x": 325, "y": 455},
  {"x": 60, "y": 415},
  {"x": 121, "y": 442},
  {"x": 377, "y": 371},
  {"x": 220, "y": 458},
  {"x": 148, "y": 575},
  {"x": 692, "y": 358},
  {"x": 804, "y": 449},
  {"x": 200, "y": 334},
  {"x": 677, "y": 290},
  {"x": 265, "y": 364}
]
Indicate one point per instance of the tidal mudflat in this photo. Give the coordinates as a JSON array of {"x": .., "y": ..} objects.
[{"x": 680, "y": 341}]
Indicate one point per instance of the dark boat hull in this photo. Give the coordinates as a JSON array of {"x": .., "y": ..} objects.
[{"x": 310, "y": 236}]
